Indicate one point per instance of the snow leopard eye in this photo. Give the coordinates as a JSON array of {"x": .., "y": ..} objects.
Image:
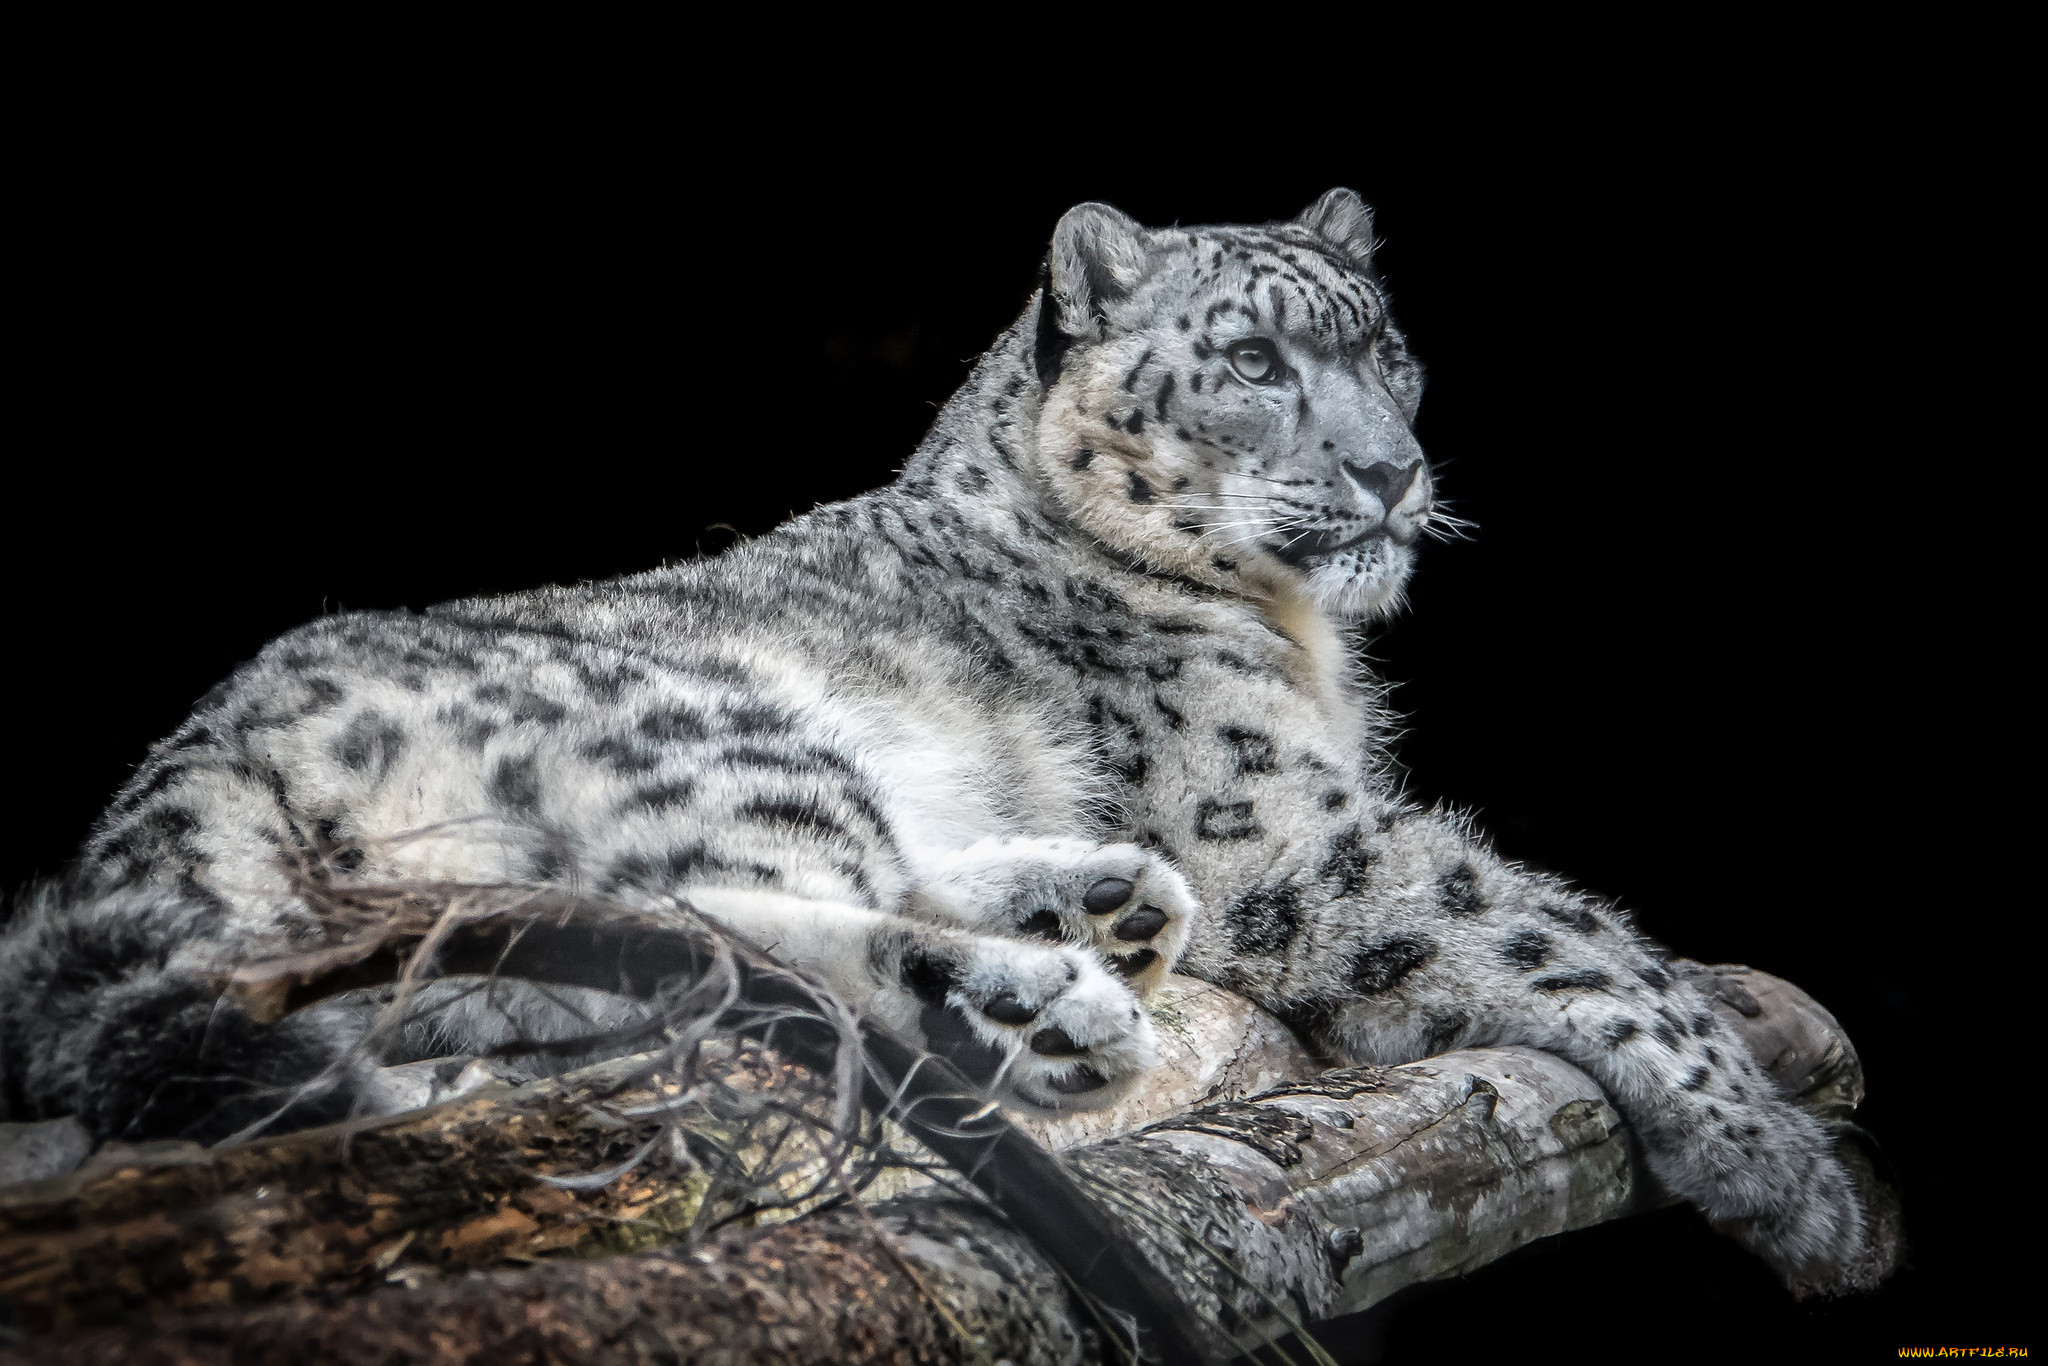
[{"x": 1256, "y": 360}]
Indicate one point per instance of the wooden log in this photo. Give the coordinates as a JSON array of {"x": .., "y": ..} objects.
[
  {"x": 1316, "y": 1198},
  {"x": 466, "y": 1182}
]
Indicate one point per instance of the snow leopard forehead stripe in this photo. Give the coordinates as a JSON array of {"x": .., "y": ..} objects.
[{"x": 1338, "y": 305}]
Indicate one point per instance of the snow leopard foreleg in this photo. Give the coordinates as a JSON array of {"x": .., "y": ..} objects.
[
  {"x": 1416, "y": 938},
  {"x": 1050, "y": 1025}
]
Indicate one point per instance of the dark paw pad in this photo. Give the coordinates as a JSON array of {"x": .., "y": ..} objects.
[
  {"x": 1043, "y": 925},
  {"x": 1082, "y": 1080},
  {"x": 1055, "y": 1043},
  {"x": 1007, "y": 1009},
  {"x": 1143, "y": 923},
  {"x": 1131, "y": 964},
  {"x": 1106, "y": 895}
]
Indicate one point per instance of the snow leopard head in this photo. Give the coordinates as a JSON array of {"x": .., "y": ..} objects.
[{"x": 1234, "y": 404}]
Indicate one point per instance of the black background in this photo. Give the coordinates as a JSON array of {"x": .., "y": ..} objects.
[{"x": 1696, "y": 360}]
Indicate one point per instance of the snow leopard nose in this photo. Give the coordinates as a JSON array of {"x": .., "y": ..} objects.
[{"x": 1386, "y": 482}]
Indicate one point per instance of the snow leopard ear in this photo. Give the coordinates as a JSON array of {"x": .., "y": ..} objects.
[
  {"x": 1343, "y": 220},
  {"x": 1097, "y": 259}
]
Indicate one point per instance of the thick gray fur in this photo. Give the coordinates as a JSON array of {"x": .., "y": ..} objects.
[{"x": 989, "y": 749}]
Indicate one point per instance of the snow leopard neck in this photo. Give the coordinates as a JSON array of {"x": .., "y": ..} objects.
[{"x": 988, "y": 482}]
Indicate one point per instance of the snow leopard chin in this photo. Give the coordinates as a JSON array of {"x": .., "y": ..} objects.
[{"x": 1366, "y": 582}]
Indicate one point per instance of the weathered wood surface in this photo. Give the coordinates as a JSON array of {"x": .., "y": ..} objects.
[
  {"x": 465, "y": 1183},
  {"x": 1315, "y": 1197}
]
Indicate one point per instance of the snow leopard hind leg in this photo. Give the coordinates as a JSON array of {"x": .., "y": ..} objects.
[{"x": 1432, "y": 942}]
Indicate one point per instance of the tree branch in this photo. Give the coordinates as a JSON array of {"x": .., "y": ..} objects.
[{"x": 1321, "y": 1195}]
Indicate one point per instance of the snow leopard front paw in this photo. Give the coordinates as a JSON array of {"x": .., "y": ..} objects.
[
  {"x": 1048, "y": 1026},
  {"x": 1126, "y": 902}
]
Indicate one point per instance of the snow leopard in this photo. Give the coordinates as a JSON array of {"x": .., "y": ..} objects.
[{"x": 1078, "y": 699}]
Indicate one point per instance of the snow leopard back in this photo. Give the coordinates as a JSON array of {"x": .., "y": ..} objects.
[{"x": 759, "y": 721}]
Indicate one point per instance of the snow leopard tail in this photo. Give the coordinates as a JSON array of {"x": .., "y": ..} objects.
[{"x": 99, "y": 1021}]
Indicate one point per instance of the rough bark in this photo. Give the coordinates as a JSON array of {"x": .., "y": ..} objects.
[
  {"x": 1312, "y": 1199},
  {"x": 464, "y": 1183}
]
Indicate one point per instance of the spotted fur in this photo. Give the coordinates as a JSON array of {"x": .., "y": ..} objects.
[{"x": 991, "y": 748}]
